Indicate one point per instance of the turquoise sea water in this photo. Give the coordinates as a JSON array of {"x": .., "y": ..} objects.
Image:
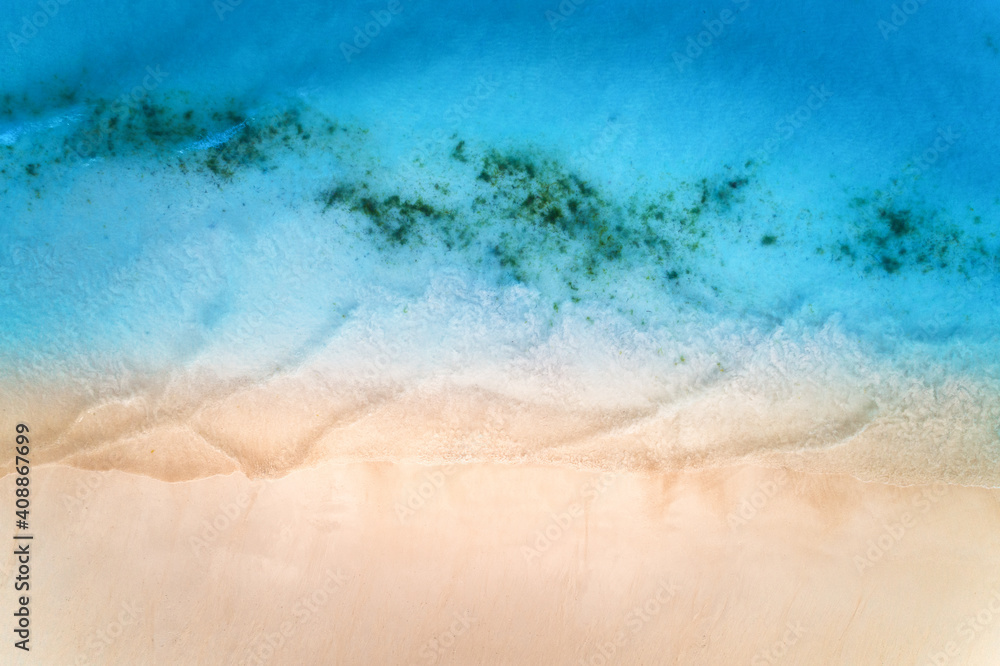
[{"x": 643, "y": 197}]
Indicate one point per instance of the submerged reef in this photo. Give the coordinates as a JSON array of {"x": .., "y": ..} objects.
[
  {"x": 892, "y": 237},
  {"x": 530, "y": 217},
  {"x": 517, "y": 211},
  {"x": 218, "y": 140}
]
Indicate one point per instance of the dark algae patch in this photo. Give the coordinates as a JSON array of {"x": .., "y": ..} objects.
[
  {"x": 338, "y": 194},
  {"x": 400, "y": 221},
  {"x": 721, "y": 192},
  {"x": 517, "y": 211},
  {"x": 889, "y": 264},
  {"x": 898, "y": 221},
  {"x": 892, "y": 238},
  {"x": 219, "y": 141},
  {"x": 397, "y": 221},
  {"x": 528, "y": 215},
  {"x": 536, "y": 220}
]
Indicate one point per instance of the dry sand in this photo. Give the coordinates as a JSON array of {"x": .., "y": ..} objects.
[
  {"x": 303, "y": 521},
  {"x": 379, "y": 563}
]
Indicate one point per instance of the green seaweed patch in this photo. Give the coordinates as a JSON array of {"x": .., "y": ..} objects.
[
  {"x": 401, "y": 221},
  {"x": 498, "y": 165},
  {"x": 768, "y": 239},
  {"x": 254, "y": 140},
  {"x": 845, "y": 251},
  {"x": 893, "y": 238},
  {"x": 172, "y": 128},
  {"x": 721, "y": 192},
  {"x": 527, "y": 215},
  {"x": 396, "y": 220},
  {"x": 7, "y": 103},
  {"x": 339, "y": 194},
  {"x": 900, "y": 222},
  {"x": 114, "y": 128},
  {"x": 889, "y": 264},
  {"x": 540, "y": 192},
  {"x": 561, "y": 224}
]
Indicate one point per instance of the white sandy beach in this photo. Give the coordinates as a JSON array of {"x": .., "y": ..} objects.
[{"x": 488, "y": 564}]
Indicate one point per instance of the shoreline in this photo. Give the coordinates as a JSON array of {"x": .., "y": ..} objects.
[{"x": 194, "y": 426}]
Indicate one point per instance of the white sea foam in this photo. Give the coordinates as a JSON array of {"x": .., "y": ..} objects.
[{"x": 217, "y": 139}]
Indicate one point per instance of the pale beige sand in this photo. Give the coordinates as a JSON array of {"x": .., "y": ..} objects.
[{"x": 718, "y": 566}]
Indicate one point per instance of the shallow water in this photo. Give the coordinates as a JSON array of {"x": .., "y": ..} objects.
[{"x": 704, "y": 234}]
